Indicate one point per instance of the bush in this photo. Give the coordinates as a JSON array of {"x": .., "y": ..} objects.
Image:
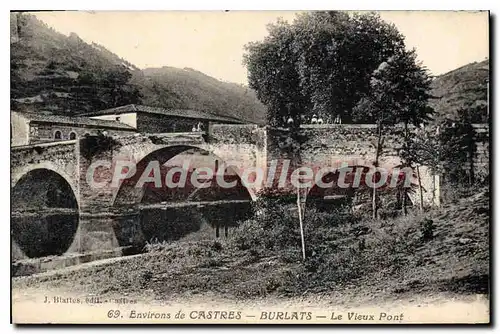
[
  {"x": 274, "y": 227},
  {"x": 91, "y": 146},
  {"x": 453, "y": 192},
  {"x": 427, "y": 228}
]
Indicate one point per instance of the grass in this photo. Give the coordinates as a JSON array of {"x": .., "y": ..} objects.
[{"x": 441, "y": 250}]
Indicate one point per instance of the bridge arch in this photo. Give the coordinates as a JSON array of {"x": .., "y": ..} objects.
[
  {"x": 21, "y": 171},
  {"x": 45, "y": 215},
  {"x": 128, "y": 193},
  {"x": 158, "y": 215},
  {"x": 334, "y": 195}
]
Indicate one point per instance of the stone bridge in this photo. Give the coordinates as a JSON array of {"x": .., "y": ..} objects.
[{"x": 104, "y": 219}]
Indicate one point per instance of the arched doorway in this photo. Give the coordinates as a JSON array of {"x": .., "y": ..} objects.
[
  {"x": 169, "y": 213},
  {"x": 356, "y": 194},
  {"x": 44, "y": 213},
  {"x": 332, "y": 197}
]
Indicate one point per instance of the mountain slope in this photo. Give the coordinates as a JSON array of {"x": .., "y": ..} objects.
[
  {"x": 191, "y": 89},
  {"x": 64, "y": 75},
  {"x": 462, "y": 88},
  {"x": 60, "y": 74}
]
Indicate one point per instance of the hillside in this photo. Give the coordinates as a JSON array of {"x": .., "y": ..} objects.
[
  {"x": 174, "y": 87},
  {"x": 462, "y": 88},
  {"x": 64, "y": 75}
]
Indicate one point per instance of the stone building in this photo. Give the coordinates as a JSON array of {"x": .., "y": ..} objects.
[
  {"x": 146, "y": 119},
  {"x": 32, "y": 128}
]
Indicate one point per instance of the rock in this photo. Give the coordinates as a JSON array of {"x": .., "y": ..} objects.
[
  {"x": 362, "y": 230},
  {"x": 464, "y": 241}
]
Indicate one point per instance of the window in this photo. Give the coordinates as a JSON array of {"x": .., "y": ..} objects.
[
  {"x": 57, "y": 135},
  {"x": 72, "y": 136}
]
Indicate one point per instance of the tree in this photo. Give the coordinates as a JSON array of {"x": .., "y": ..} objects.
[
  {"x": 399, "y": 94},
  {"x": 378, "y": 106},
  {"x": 456, "y": 140},
  {"x": 321, "y": 63},
  {"x": 413, "y": 92},
  {"x": 272, "y": 74},
  {"x": 338, "y": 64}
]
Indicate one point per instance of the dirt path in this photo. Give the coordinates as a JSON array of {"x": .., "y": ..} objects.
[{"x": 77, "y": 267}]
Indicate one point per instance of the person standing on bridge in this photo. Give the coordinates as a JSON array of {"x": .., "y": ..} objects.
[{"x": 200, "y": 127}]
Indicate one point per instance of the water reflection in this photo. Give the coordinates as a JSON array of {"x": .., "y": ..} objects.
[
  {"x": 45, "y": 234},
  {"x": 170, "y": 224},
  {"x": 39, "y": 235}
]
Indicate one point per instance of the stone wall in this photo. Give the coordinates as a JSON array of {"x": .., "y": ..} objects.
[
  {"x": 19, "y": 130},
  {"x": 58, "y": 157},
  {"x": 95, "y": 199},
  {"x": 331, "y": 145},
  {"x": 242, "y": 146},
  {"x": 237, "y": 134},
  {"x": 43, "y": 132}
]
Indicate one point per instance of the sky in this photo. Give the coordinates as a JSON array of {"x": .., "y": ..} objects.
[{"x": 213, "y": 42}]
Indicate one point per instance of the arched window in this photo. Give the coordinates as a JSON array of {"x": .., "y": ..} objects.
[
  {"x": 57, "y": 135},
  {"x": 72, "y": 136}
]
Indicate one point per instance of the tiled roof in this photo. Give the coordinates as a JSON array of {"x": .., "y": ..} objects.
[
  {"x": 187, "y": 113},
  {"x": 76, "y": 120}
]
